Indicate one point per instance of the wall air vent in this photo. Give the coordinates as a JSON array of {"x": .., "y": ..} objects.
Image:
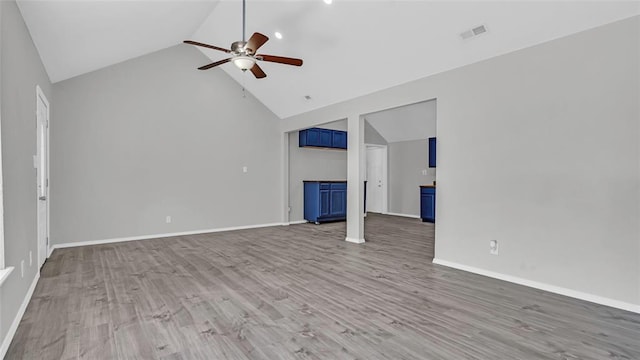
[{"x": 476, "y": 31}]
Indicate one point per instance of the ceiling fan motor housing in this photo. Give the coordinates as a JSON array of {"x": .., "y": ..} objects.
[{"x": 239, "y": 48}]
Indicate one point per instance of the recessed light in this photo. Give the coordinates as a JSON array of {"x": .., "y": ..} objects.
[
  {"x": 278, "y": 35},
  {"x": 328, "y": 2}
]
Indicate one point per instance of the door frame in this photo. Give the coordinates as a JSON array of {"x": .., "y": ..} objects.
[
  {"x": 385, "y": 175},
  {"x": 41, "y": 96}
]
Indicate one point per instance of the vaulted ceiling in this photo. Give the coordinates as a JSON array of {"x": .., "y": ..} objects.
[{"x": 350, "y": 48}]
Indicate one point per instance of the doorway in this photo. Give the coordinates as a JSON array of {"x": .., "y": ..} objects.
[
  {"x": 376, "y": 179},
  {"x": 42, "y": 171}
]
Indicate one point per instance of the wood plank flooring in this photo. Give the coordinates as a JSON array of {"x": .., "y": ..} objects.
[{"x": 302, "y": 292}]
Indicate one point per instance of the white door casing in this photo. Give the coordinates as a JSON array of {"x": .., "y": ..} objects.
[
  {"x": 377, "y": 178},
  {"x": 42, "y": 174}
]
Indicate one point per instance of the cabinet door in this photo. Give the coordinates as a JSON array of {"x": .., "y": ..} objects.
[
  {"x": 339, "y": 139},
  {"x": 428, "y": 206},
  {"x": 325, "y": 202},
  {"x": 324, "y": 137},
  {"x": 313, "y": 137},
  {"x": 432, "y": 152},
  {"x": 338, "y": 202}
]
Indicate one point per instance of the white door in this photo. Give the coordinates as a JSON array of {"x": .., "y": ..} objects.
[
  {"x": 376, "y": 179},
  {"x": 42, "y": 166}
]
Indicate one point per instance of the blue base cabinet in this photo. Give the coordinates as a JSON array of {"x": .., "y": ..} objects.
[
  {"x": 324, "y": 138},
  {"x": 428, "y": 203},
  {"x": 325, "y": 201}
]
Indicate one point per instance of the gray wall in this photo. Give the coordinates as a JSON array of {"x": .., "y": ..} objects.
[
  {"x": 154, "y": 137},
  {"x": 372, "y": 136},
  {"x": 312, "y": 164},
  {"x": 539, "y": 150},
  {"x": 21, "y": 71},
  {"x": 407, "y": 163}
]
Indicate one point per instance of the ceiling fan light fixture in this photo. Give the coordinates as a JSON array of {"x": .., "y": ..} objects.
[{"x": 244, "y": 62}]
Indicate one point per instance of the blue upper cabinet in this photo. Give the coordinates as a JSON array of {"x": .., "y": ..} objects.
[
  {"x": 339, "y": 139},
  {"x": 432, "y": 152},
  {"x": 324, "y": 138}
]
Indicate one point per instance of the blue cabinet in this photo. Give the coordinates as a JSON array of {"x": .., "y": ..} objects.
[
  {"x": 432, "y": 152},
  {"x": 325, "y": 201},
  {"x": 339, "y": 139},
  {"x": 428, "y": 203},
  {"x": 325, "y": 138}
]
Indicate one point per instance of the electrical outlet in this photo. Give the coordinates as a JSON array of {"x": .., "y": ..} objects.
[
  {"x": 30, "y": 258},
  {"x": 22, "y": 268},
  {"x": 244, "y": 169},
  {"x": 493, "y": 247},
  {"x": 168, "y": 219},
  {"x": 424, "y": 172}
]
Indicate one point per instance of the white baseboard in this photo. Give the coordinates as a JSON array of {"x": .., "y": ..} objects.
[
  {"x": 156, "y": 236},
  {"x": 4, "y": 274},
  {"x": 16, "y": 321},
  {"x": 355, "y": 241},
  {"x": 542, "y": 286},
  {"x": 403, "y": 215},
  {"x": 297, "y": 222}
]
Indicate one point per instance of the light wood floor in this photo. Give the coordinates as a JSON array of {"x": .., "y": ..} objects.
[{"x": 302, "y": 292}]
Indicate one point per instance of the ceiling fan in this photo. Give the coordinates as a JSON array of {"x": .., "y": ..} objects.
[{"x": 244, "y": 52}]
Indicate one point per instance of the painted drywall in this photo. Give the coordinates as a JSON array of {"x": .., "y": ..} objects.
[
  {"x": 154, "y": 137},
  {"x": 539, "y": 150},
  {"x": 21, "y": 71},
  {"x": 408, "y": 168},
  {"x": 372, "y": 136},
  {"x": 312, "y": 164},
  {"x": 405, "y": 123}
]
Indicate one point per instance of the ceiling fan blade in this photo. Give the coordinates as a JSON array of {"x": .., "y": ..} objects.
[
  {"x": 255, "y": 42},
  {"x": 257, "y": 72},
  {"x": 280, "y": 59},
  {"x": 206, "y": 67},
  {"x": 190, "y": 42}
]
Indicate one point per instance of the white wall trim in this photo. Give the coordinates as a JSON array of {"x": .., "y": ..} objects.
[
  {"x": 404, "y": 215},
  {"x": 16, "y": 321},
  {"x": 542, "y": 286},
  {"x": 297, "y": 222},
  {"x": 4, "y": 274},
  {"x": 354, "y": 241},
  {"x": 157, "y": 236}
]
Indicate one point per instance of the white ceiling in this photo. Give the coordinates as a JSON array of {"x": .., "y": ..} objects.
[
  {"x": 77, "y": 37},
  {"x": 411, "y": 122},
  {"x": 350, "y": 48}
]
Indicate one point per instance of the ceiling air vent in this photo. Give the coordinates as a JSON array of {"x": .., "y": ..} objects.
[{"x": 476, "y": 31}]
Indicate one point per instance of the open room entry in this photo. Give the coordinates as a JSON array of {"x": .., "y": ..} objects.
[
  {"x": 317, "y": 171},
  {"x": 404, "y": 134}
]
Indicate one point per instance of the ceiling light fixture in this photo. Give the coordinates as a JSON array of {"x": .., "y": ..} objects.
[
  {"x": 278, "y": 35},
  {"x": 244, "y": 62},
  {"x": 328, "y": 2}
]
